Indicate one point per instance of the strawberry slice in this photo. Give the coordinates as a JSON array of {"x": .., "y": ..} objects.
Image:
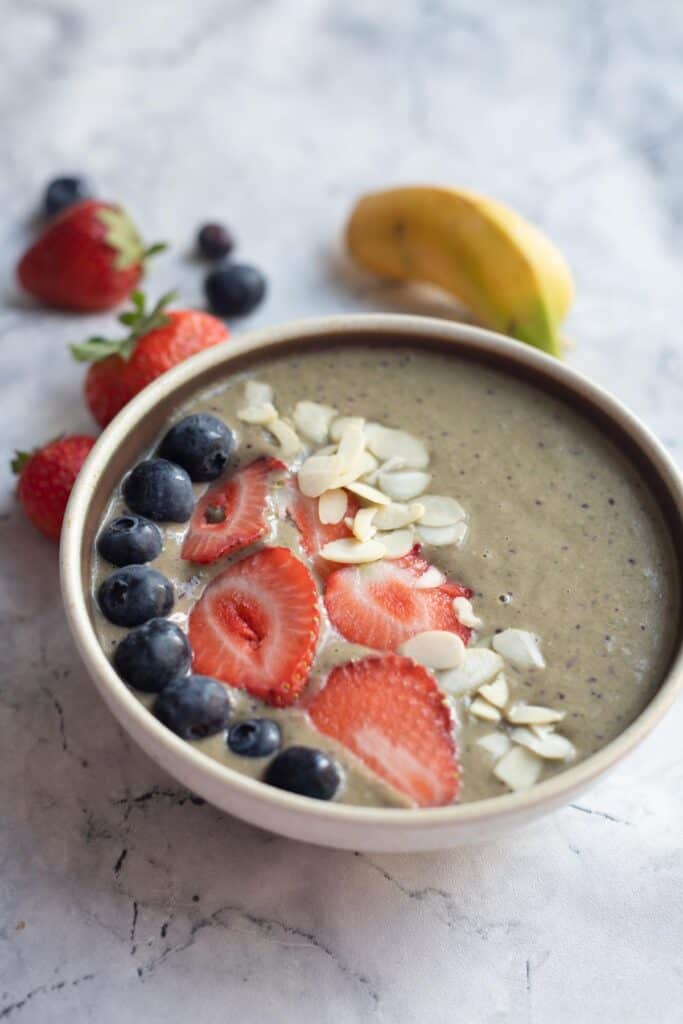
[
  {"x": 231, "y": 514},
  {"x": 378, "y": 605},
  {"x": 390, "y": 712},
  {"x": 256, "y": 626},
  {"x": 314, "y": 535}
]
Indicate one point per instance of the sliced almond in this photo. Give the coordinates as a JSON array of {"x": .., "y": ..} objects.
[
  {"x": 338, "y": 426},
  {"x": 495, "y": 743},
  {"x": 462, "y": 607},
  {"x": 519, "y": 647},
  {"x": 403, "y": 484},
  {"x": 332, "y": 505},
  {"x": 368, "y": 493},
  {"x": 367, "y": 465},
  {"x": 397, "y": 543},
  {"x": 542, "y": 730},
  {"x": 435, "y": 648},
  {"x": 443, "y": 536},
  {"x": 481, "y": 708},
  {"x": 552, "y": 747},
  {"x": 313, "y": 420},
  {"x": 353, "y": 552},
  {"x": 440, "y": 510},
  {"x": 260, "y": 415},
  {"x": 319, "y": 473},
  {"x": 329, "y": 449},
  {"x": 257, "y": 393},
  {"x": 287, "y": 437},
  {"x": 479, "y": 667},
  {"x": 431, "y": 578},
  {"x": 363, "y": 528},
  {"x": 497, "y": 692},
  {"x": 395, "y": 516},
  {"x": 532, "y": 714},
  {"x": 518, "y": 769},
  {"x": 351, "y": 448},
  {"x": 387, "y": 443}
]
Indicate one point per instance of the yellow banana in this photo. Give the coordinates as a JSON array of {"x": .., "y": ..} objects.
[{"x": 494, "y": 261}]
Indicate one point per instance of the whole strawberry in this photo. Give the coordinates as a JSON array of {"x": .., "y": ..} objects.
[
  {"x": 88, "y": 258},
  {"x": 157, "y": 341},
  {"x": 46, "y": 477}
]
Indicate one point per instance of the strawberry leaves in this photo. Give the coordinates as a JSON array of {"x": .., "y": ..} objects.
[
  {"x": 139, "y": 320},
  {"x": 122, "y": 235}
]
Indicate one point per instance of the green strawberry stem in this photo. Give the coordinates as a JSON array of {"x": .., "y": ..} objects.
[
  {"x": 19, "y": 461},
  {"x": 138, "y": 319},
  {"x": 122, "y": 235}
]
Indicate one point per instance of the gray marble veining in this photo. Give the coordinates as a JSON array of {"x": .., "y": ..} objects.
[{"x": 124, "y": 898}]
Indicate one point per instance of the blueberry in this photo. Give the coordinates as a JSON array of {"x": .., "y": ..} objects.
[
  {"x": 153, "y": 654},
  {"x": 255, "y": 737},
  {"x": 214, "y": 241},
  {"x": 193, "y": 707},
  {"x": 306, "y": 771},
  {"x": 63, "y": 192},
  {"x": 201, "y": 444},
  {"x": 159, "y": 490},
  {"x": 234, "y": 290},
  {"x": 134, "y": 594},
  {"x": 130, "y": 540}
]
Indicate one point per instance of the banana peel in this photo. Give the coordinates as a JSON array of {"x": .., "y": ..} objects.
[{"x": 494, "y": 261}]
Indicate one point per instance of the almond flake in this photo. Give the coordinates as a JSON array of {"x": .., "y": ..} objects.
[
  {"x": 479, "y": 667},
  {"x": 403, "y": 484},
  {"x": 552, "y": 747},
  {"x": 532, "y": 714},
  {"x": 338, "y": 426},
  {"x": 518, "y": 769},
  {"x": 442, "y": 536},
  {"x": 351, "y": 448},
  {"x": 329, "y": 449},
  {"x": 332, "y": 506},
  {"x": 397, "y": 543},
  {"x": 396, "y": 516},
  {"x": 368, "y": 493},
  {"x": 519, "y": 647},
  {"x": 353, "y": 552},
  {"x": 260, "y": 415},
  {"x": 497, "y": 692},
  {"x": 363, "y": 528},
  {"x": 287, "y": 437},
  {"x": 257, "y": 393},
  {"x": 435, "y": 648},
  {"x": 462, "y": 607},
  {"x": 367, "y": 465},
  {"x": 542, "y": 730},
  {"x": 431, "y": 578},
  {"x": 319, "y": 473},
  {"x": 495, "y": 743},
  {"x": 482, "y": 709},
  {"x": 313, "y": 420},
  {"x": 387, "y": 443},
  {"x": 440, "y": 510}
]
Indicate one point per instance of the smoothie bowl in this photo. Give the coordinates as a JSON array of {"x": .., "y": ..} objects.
[{"x": 381, "y": 582}]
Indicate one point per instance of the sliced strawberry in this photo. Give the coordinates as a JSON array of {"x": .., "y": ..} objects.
[
  {"x": 390, "y": 712},
  {"x": 256, "y": 626},
  {"x": 315, "y": 535},
  {"x": 378, "y": 605},
  {"x": 231, "y": 514}
]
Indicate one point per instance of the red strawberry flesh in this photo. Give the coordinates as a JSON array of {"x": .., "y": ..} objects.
[
  {"x": 389, "y": 712},
  {"x": 256, "y": 626}
]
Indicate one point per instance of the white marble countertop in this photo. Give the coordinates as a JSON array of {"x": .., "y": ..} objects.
[{"x": 123, "y": 898}]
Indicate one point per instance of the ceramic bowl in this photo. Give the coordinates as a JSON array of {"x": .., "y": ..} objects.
[{"x": 332, "y": 824}]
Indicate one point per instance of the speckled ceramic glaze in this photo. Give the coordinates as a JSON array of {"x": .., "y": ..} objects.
[{"x": 343, "y": 825}]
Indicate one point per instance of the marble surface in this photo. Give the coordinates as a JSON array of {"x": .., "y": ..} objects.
[{"x": 123, "y": 898}]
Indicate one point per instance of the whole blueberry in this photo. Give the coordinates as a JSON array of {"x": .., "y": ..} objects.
[
  {"x": 255, "y": 737},
  {"x": 159, "y": 490},
  {"x": 201, "y": 444},
  {"x": 134, "y": 594},
  {"x": 214, "y": 241},
  {"x": 152, "y": 654},
  {"x": 63, "y": 192},
  {"x": 130, "y": 540},
  {"x": 234, "y": 290},
  {"x": 193, "y": 707},
  {"x": 306, "y": 771}
]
